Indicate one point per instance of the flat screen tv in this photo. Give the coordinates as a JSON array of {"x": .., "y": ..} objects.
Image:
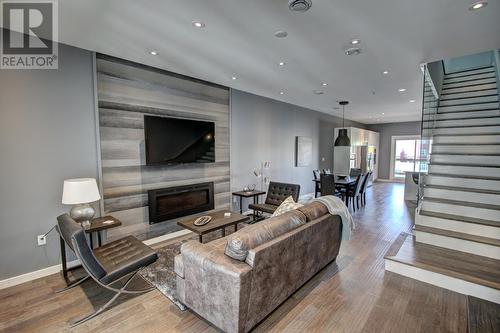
[{"x": 174, "y": 140}]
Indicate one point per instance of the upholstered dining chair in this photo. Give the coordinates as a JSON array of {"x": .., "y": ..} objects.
[
  {"x": 328, "y": 186},
  {"x": 354, "y": 192},
  {"x": 317, "y": 184},
  {"x": 354, "y": 172},
  {"x": 364, "y": 187},
  {"x": 327, "y": 171},
  {"x": 119, "y": 260}
]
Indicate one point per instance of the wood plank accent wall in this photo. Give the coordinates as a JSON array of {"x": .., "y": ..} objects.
[{"x": 127, "y": 92}]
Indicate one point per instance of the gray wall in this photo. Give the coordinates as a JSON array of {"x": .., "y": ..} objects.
[
  {"x": 386, "y": 132},
  {"x": 263, "y": 129},
  {"x": 47, "y": 134}
]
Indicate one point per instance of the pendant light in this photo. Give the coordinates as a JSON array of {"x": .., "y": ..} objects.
[{"x": 343, "y": 139}]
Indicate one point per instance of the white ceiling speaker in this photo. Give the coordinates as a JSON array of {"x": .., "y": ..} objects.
[{"x": 299, "y": 5}]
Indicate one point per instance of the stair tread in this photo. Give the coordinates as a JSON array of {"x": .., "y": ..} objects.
[
  {"x": 462, "y": 176},
  {"x": 465, "y": 266},
  {"x": 459, "y": 218},
  {"x": 468, "y": 79},
  {"x": 459, "y": 235},
  {"x": 463, "y": 189},
  {"x": 482, "y": 316},
  {"x": 470, "y": 70},
  {"x": 462, "y": 203},
  {"x": 467, "y": 92}
]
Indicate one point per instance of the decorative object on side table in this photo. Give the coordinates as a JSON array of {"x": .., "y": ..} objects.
[{"x": 80, "y": 192}]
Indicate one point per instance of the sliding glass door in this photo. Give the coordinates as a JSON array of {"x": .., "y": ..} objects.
[{"x": 405, "y": 155}]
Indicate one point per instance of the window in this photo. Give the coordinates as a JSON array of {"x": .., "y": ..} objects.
[{"x": 405, "y": 155}]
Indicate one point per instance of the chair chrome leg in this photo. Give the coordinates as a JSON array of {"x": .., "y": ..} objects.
[
  {"x": 122, "y": 290},
  {"x": 73, "y": 284},
  {"x": 101, "y": 309}
]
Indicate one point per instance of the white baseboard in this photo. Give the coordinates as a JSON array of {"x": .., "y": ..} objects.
[
  {"x": 443, "y": 281},
  {"x": 15, "y": 280}
]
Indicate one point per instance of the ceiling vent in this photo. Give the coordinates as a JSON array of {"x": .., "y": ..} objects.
[
  {"x": 299, "y": 5},
  {"x": 353, "y": 51}
]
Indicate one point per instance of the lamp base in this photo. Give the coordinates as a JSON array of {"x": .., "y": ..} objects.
[{"x": 82, "y": 213}]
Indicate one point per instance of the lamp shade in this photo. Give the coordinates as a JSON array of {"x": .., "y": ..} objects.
[
  {"x": 79, "y": 191},
  {"x": 342, "y": 139}
]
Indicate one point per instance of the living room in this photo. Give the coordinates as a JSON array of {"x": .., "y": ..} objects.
[{"x": 265, "y": 177}]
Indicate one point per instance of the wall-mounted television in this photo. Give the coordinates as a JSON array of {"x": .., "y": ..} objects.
[{"x": 174, "y": 140}]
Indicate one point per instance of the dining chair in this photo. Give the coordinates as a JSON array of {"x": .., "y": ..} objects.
[
  {"x": 327, "y": 171},
  {"x": 353, "y": 192},
  {"x": 354, "y": 172},
  {"x": 364, "y": 186},
  {"x": 317, "y": 184}
]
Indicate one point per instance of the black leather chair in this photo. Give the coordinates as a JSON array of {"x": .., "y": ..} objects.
[
  {"x": 354, "y": 192},
  {"x": 317, "y": 185},
  {"x": 109, "y": 263},
  {"x": 364, "y": 186},
  {"x": 354, "y": 172},
  {"x": 276, "y": 194}
]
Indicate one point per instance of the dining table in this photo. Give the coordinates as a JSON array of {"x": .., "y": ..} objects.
[{"x": 340, "y": 182}]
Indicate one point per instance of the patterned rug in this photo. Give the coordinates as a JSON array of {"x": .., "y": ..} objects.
[{"x": 161, "y": 273}]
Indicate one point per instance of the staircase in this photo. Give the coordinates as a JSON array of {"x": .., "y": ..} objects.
[{"x": 458, "y": 220}]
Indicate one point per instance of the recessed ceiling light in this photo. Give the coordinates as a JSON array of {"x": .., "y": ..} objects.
[
  {"x": 153, "y": 52},
  {"x": 378, "y": 119},
  {"x": 198, "y": 24},
  {"x": 383, "y": 113},
  {"x": 355, "y": 41},
  {"x": 324, "y": 84},
  {"x": 353, "y": 51},
  {"x": 478, "y": 5},
  {"x": 282, "y": 63},
  {"x": 402, "y": 90},
  {"x": 281, "y": 34},
  {"x": 282, "y": 92},
  {"x": 385, "y": 72},
  {"x": 318, "y": 92},
  {"x": 412, "y": 101},
  {"x": 234, "y": 78}
]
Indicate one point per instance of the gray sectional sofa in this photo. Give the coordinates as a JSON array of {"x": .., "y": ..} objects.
[{"x": 236, "y": 281}]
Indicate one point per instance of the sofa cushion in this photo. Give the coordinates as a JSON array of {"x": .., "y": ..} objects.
[
  {"x": 179, "y": 266},
  {"x": 248, "y": 238},
  {"x": 313, "y": 210},
  {"x": 286, "y": 206}
]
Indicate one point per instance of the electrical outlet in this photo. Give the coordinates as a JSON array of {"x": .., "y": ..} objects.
[{"x": 42, "y": 240}]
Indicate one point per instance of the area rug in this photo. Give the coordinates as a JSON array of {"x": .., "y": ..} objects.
[{"x": 161, "y": 273}]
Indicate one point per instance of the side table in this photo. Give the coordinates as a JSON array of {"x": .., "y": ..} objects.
[
  {"x": 96, "y": 226},
  {"x": 248, "y": 194}
]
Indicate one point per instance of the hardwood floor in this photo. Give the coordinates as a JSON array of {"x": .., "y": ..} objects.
[{"x": 354, "y": 294}]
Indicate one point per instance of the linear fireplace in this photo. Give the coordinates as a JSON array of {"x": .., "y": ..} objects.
[{"x": 172, "y": 202}]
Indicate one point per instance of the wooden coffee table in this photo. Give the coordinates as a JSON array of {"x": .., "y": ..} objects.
[{"x": 218, "y": 222}]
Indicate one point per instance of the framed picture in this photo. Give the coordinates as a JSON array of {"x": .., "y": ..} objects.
[{"x": 303, "y": 151}]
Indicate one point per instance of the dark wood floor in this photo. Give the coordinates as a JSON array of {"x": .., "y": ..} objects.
[{"x": 355, "y": 294}]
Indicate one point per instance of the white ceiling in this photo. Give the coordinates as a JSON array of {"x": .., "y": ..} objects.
[{"x": 238, "y": 40}]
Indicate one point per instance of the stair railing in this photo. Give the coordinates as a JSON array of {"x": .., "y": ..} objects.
[{"x": 430, "y": 102}]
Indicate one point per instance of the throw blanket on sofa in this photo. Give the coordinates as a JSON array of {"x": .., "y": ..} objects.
[{"x": 337, "y": 207}]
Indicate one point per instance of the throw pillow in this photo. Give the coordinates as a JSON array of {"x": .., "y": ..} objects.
[{"x": 287, "y": 205}]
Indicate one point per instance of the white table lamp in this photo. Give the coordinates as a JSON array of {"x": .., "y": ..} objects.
[{"x": 80, "y": 192}]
